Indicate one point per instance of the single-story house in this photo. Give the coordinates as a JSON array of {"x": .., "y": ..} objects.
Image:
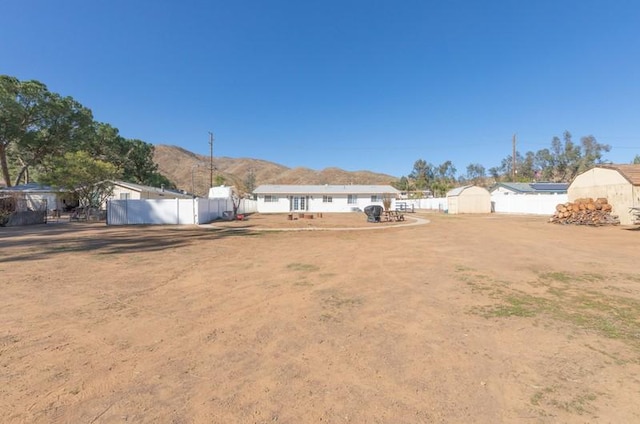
[
  {"x": 35, "y": 196},
  {"x": 469, "y": 199},
  {"x": 619, "y": 184},
  {"x": 527, "y": 198},
  {"x": 529, "y": 188},
  {"x": 321, "y": 198},
  {"x": 129, "y": 191}
]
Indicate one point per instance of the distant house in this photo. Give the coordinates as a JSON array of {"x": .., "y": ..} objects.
[
  {"x": 129, "y": 191},
  {"x": 321, "y": 198},
  {"x": 468, "y": 199},
  {"x": 527, "y": 198},
  {"x": 35, "y": 196},
  {"x": 619, "y": 184},
  {"x": 529, "y": 188}
]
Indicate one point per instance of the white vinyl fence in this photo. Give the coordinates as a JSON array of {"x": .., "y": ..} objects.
[
  {"x": 173, "y": 211},
  {"x": 432, "y": 203},
  {"x": 536, "y": 204}
]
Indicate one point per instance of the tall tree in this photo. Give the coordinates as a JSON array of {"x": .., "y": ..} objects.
[
  {"x": 402, "y": 184},
  {"x": 561, "y": 162},
  {"x": 36, "y": 124},
  {"x": 476, "y": 173},
  {"x": 636, "y": 160},
  {"x": 79, "y": 172},
  {"x": 422, "y": 174},
  {"x": 444, "y": 179},
  {"x": 250, "y": 181},
  {"x": 134, "y": 157}
]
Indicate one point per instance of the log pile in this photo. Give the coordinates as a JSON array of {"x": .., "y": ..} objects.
[
  {"x": 636, "y": 215},
  {"x": 585, "y": 212}
]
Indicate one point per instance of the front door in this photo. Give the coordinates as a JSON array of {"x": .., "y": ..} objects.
[{"x": 299, "y": 203}]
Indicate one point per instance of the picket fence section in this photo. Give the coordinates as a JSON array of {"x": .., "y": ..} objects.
[{"x": 173, "y": 211}]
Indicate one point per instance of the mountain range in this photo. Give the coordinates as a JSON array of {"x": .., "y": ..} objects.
[{"x": 191, "y": 172}]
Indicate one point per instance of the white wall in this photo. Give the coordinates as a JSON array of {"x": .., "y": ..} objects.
[
  {"x": 172, "y": 211},
  {"x": 536, "y": 204},
  {"x": 118, "y": 190},
  {"x": 36, "y": 201},
  {"x": 150, "y": 211},
  {"x": 280, "y": 206},
  {"x": 315, "y": 203}
]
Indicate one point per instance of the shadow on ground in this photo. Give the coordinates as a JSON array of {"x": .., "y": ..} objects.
[{"x": 42, "y": 242}]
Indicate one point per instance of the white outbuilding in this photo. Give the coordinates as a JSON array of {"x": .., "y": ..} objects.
[
  {"x": 469, "y": 199},
  {"x": 619, "y": 184}
]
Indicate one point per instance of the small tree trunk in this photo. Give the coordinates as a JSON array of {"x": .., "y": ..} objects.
[
  {"x": 23, "y": 171},
  {"x": 4, "y": 166}
]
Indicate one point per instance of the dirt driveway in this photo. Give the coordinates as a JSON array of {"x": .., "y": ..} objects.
[{"x": 468, "y": 319}]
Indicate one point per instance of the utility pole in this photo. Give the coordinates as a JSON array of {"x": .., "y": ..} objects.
[
  {"x": 513, "y": 159},
  {"x": 211, "y": 158}
]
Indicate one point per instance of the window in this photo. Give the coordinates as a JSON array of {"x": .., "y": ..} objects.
[
  {"x": 375, "y": 198},
  {"x": 270, "y": 199},
  {"x": 352, "y": 199},
  {"x": 327, "y": 199},
  {"x": 124, "y": 196}
]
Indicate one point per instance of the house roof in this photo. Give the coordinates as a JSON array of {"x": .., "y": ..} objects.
[
  {"x": 140, "y": 188},
  {"x": 456, "y": 191},
  {"x": 630, "y": 172},
  {"x": 533, "y": 188},
  {"x": 459, "y": 190},
  {"x": 325, "y": 189},
  {"x": 31, "y": 188}
]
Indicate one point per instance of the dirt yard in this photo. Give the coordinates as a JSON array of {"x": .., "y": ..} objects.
[{"x": 464, "y": 319}]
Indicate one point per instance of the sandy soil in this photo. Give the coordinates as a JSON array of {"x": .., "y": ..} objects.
[{"x": 482, "y": 319}]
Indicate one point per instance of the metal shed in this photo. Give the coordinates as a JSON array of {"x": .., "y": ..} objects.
[
  {"x": 619, "y": 184},
  {"x": 469, "y": 199}
]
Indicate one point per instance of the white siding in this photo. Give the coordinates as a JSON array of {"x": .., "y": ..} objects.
[
  {"x": 339, "y": 203},
  {"x": 536, "y": 204},
  {"x": 470, "y": 199}
]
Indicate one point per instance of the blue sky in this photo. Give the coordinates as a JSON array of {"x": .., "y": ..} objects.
[{"x": 355, "y": 84}]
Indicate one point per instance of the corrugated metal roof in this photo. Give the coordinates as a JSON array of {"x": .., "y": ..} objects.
[
  {"x": 325, "y": 189},
  {"x": 630, "y": 172},
  {"x": 518, "y": 187},
  {"x": 550, "y": 187},
  {"x": 141, "y": 188}
]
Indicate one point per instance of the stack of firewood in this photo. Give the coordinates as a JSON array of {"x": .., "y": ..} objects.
[
  {"x": 585, "y": 212},
  {"x": 636, "y": 215}
]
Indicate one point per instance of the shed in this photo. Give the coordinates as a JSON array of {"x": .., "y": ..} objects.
[
  {"x": 619, "y": 184},
  {"x": 469, "y": 199}
]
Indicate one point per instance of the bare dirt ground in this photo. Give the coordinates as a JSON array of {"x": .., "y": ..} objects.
[{"x": 482, "y": 319}]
